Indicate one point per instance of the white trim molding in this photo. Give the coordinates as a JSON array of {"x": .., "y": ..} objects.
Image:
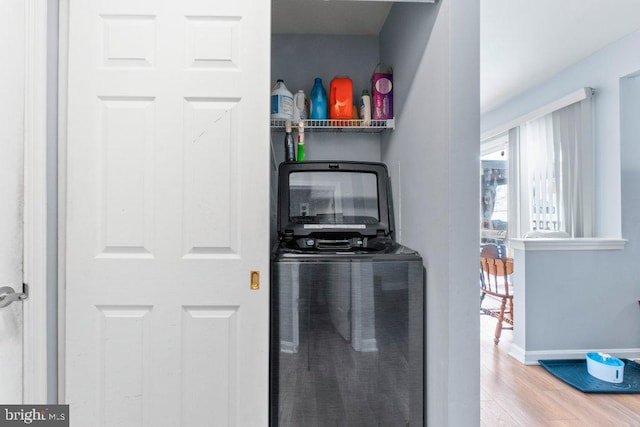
[
  {"x": 35, "y": 204},
  {"x": 568, "y": 244},
  {"x": 63, "y": 56},
  {"x": 532, "y": 357}
]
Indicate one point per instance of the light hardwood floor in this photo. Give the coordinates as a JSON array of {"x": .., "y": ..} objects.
[{"x": 512, "y": 394}]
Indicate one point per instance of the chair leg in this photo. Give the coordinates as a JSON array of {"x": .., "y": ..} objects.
[
  {"x": 503, "y": 304},
  {"x": 482, "y": 310}
]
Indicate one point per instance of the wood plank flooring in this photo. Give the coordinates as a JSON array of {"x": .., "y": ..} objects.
[{"x": 512, "y": 394}]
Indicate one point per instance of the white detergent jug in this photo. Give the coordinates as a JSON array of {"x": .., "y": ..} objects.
[
  {"x": 281, "y": 102},
  {"x": 365, "y": 108},
  {"x": 300, "y": 106}
]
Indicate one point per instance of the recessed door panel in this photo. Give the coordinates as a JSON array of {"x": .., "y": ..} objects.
[
  {"x": 124, "y": 383},
  {"x": 128, "y": 41},
  {"x": 210, "y": 173},
  {"x": 212, "y": 42},
  {"x": 209, "y": 369},
  {"x": 127, "y": 172}
]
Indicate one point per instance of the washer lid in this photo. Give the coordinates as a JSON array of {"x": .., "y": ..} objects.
[{"x": 334, "y": 198}]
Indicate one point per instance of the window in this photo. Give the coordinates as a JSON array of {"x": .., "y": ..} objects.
[
  {"x": 494, "y": 190},
  {"x": 547, "y": 160},
  {"x": 553, "y": 167}
]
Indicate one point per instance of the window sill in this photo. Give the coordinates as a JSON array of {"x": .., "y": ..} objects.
[{"x": 564, "y": 244}]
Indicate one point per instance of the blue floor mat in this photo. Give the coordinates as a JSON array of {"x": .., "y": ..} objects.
[{"x": 574, "y": 372}]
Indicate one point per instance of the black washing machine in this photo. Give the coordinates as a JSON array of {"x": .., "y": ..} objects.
[{"x": 347, "y": 302}]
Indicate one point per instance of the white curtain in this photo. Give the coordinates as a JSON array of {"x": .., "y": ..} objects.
[
  {"x": 541, "y": 205},
  {"x": 552, "y": 182},
  {"x": 573, "y": 140},
  {"x": 516, "y": 188}
]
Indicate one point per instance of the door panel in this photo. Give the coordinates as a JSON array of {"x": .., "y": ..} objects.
[
  {"x": 12, "y": 43},
  {"x": 126, "y": 176},
  {"x": 209, "y": 350},
  {"x": 209, "y": 184},
  {"x": 167, "y": 212},
  {"x": 125, "y": 341}
]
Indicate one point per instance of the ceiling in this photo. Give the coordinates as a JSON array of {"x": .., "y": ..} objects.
[
  {"x": 522, "y": 42},
  {"x": 328, "y": 17}
]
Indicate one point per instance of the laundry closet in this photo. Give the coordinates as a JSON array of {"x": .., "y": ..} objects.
[{"x": 430, "y": 149}]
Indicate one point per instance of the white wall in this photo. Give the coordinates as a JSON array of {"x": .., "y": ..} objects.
[
  {"x": 574, "y": 302},
  {"x": 12, "y": 86},
  {"x": 581, "y": 300},
  {"x": 630, "y": 174},
  {"x": 433, "y": 156}
]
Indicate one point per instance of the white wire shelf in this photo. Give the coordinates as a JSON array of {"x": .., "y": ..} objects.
[{"x": 338, "y": 125}]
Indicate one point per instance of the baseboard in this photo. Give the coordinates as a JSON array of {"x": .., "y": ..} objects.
[
  {"x": 532, "y": 357},
  {"x": 517, "y": 353}
]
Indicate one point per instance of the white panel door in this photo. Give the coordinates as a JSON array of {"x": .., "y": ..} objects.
[
  {"x": 167, "y": 212},
  {"x": 12, "y": 31}
]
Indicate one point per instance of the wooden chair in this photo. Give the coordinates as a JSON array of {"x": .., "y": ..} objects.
[{"x": 495, "y": 283}]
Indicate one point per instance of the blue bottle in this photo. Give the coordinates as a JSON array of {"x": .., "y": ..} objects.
[{"x": 318, "y": 108}]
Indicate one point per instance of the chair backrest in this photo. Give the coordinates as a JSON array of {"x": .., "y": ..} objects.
[{"x": 495, "y": 269}]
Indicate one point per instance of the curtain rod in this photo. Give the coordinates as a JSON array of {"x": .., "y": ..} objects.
[{"x": 572, "y": 98}]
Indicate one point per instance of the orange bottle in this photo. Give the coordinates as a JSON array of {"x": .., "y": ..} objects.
[{"x": 341, "y": 98}]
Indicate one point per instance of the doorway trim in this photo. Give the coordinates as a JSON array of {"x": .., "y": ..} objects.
[{"x": 35, "y": 204}]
